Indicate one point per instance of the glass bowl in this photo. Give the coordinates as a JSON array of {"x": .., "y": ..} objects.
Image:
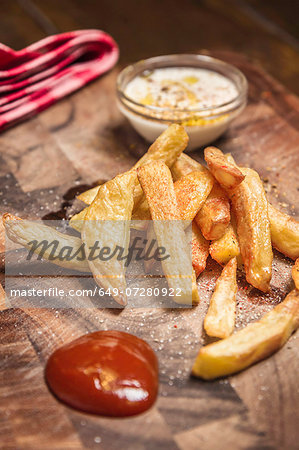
[{"x": 202, "y": 125}]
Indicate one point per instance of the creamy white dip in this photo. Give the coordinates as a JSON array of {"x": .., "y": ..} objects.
[
  {"x": 201, "y": 99},
  {"x": 181, "y": 88}
]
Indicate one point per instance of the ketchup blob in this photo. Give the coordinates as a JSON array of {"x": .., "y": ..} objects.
[{"x": 109, "y": 373}]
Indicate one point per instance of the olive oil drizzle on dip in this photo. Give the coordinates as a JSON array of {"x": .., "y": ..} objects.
[{"x": 181, "y": 88}]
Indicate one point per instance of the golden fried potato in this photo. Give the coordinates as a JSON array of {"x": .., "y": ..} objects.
[
  {"x": 156, "y": 181},
  {"x": 2, "y": 298},
  {"x": 251, "y": 344},
  {"x": 214, "y": 216},
  {"x": 76, "y": 221},
  {"x": 284, "y": 232},
  {"x": 253, "y": 228},
  {"x": 225, "y": 171},
  {"x": 284, "y": 229},
  {"x": 295, "y": 273},
  {"x": 200, "y": 250},
  {"x": 220, "y": 319},
  {"x": 142, "y": 212},
  {"x": 24, "y": 231},
  {"x": 167, "y": 147},
  {"x": 107, "y": 224},
  {"x": 227, "y": 247},
  {"x": 185, "y": 164},
  {"x": 88, "y": 196},
  {"x": 139, "y": 217},
  {"x": 195, "y": 295},
  {"x": 191, "y": 191},
  {"x": 150, "y": 245}
]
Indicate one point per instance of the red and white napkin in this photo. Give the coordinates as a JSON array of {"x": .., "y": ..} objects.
[{"x": 37, "y": 76}]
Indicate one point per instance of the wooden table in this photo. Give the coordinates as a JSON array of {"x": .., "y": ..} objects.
[{"x": 45, "y": 161}]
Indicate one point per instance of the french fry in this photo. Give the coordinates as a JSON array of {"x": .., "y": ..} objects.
[
  {"x": 224, "y": 170},
  {"x": 193, "y": 185},
  {"x": 200, "y": 253},
  {"x": 88, "y": 196},
  {"x": 214, "y": 216},
  {"x": 284, "y": 229},
  {"x": 251, "y": 344},
  {"x": 185, "y": 164},
  {"x": 142, "y": 213},
  {"x": 200, "y": 250},
  {"x": 24, "y": 231},
  {"x": 151, "y": 243},
  {"x": 195, "y": 295},
  {"x": 220, "y": 319},
  {"x": 156, "y": 181},
  {"x": 284, "y": 232},
  {"x": 167, "y": 147},
  {"x": 191, "y": 192},
  {"x": 216, "y": 211},
  {"x": 230, "y": 159},
  {"x": 2, "y": 298},
  {"x": 253, "y": 228},
  {"x": 77, "y": 220},
  {"x": 227, "y": 247},
  {"x": 107, "y": 223},
  {"x": 295, "y": 273}
]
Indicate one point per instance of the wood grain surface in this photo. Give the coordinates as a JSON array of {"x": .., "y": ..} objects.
[{"x": 44, "y": 162}]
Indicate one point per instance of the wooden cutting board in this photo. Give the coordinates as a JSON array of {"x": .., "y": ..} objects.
[{"x": 44, "y": 162}]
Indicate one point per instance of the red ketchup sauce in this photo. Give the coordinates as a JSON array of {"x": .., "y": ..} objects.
[{"x": 109, "y": 373}]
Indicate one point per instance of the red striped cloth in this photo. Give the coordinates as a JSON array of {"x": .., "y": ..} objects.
[{"x": 37, "y": 76}]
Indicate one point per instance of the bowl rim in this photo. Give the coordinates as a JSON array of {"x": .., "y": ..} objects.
[{"x": 165, "y": 61}]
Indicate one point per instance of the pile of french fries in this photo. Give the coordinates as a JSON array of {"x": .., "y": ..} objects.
[{"x": 232, "y": 222}]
